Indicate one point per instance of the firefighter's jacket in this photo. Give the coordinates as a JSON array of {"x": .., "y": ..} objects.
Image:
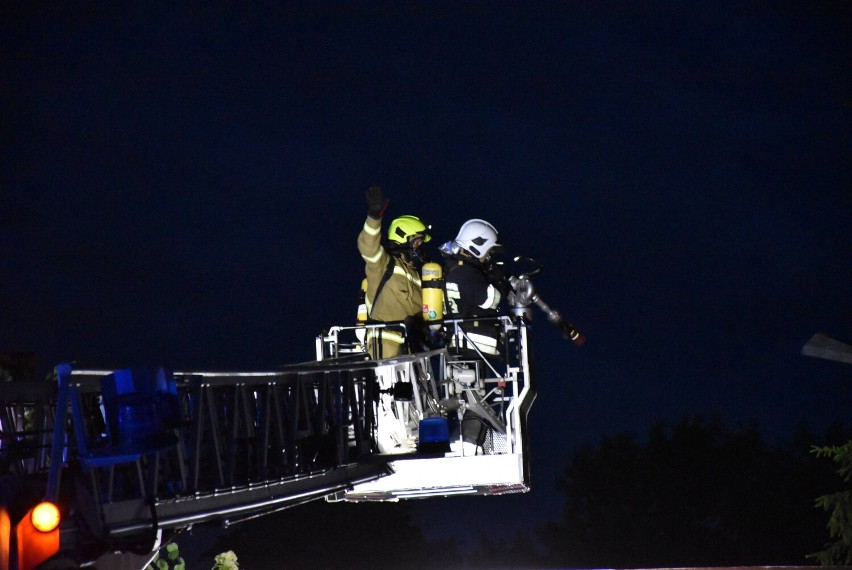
[
  {"x": 400, "y": 297},
  {"x": 470, "y": 294}
]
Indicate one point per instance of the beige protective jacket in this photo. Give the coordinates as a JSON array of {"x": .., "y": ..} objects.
[{"x": 400, "y": 297}]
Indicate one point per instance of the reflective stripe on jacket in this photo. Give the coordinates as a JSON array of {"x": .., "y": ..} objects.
[{"x": 385, "y": 335}]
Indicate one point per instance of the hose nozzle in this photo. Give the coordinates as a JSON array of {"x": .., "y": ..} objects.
[{"x": 568, "y": 331}]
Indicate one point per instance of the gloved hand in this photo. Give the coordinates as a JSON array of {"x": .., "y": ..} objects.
[{"x": 376, "y": 202}]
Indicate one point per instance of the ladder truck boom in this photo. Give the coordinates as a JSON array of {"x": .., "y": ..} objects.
[{"x": 120, "y": 456}]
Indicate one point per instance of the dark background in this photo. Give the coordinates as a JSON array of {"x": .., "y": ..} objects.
[{"x": 184, "y": 185}]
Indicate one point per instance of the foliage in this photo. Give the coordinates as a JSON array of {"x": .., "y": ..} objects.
[
  {"x": 226, "y": 561},
  {"x": 839, "y": 504},
  {"x": 171, "y": 561}
]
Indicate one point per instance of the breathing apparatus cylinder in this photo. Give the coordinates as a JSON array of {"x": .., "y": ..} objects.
[
  {"x": 433, "y": 293},
  {"x": 361, "y": 318}
]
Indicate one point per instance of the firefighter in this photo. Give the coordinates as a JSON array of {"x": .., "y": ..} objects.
[
  {"x": 474, "y": 287},
  {"x": 393, "y": 273}
]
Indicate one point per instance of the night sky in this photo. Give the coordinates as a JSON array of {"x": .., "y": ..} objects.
[{"x": 184, "y": 185}]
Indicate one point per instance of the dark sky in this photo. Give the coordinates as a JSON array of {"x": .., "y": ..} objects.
[{"x": 185, "y": 185}]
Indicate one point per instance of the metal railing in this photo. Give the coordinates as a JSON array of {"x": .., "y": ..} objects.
[{"x": 484, "y": 398}]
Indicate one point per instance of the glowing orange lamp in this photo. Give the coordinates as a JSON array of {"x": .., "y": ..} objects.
[
  {"x": 45, "y": 516},
  {"x": 38, "y": 535}
]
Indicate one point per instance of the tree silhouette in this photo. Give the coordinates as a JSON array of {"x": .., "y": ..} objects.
[
  {"x": 693, "y": 494},
  {"x": 516, "y": 551},
  {"x": 839, "y": 504}
]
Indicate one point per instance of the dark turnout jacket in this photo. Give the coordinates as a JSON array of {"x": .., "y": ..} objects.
[{"x": 471, "y": 294}]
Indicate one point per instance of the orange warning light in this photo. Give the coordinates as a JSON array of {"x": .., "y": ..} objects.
[{"x": 45, "y": 517}]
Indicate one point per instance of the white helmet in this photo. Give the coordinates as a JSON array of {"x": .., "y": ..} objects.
[{"x": 478, "y": 238}]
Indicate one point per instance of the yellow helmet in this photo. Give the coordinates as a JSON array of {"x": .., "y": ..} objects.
[{"x": 403, "y": 227}]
